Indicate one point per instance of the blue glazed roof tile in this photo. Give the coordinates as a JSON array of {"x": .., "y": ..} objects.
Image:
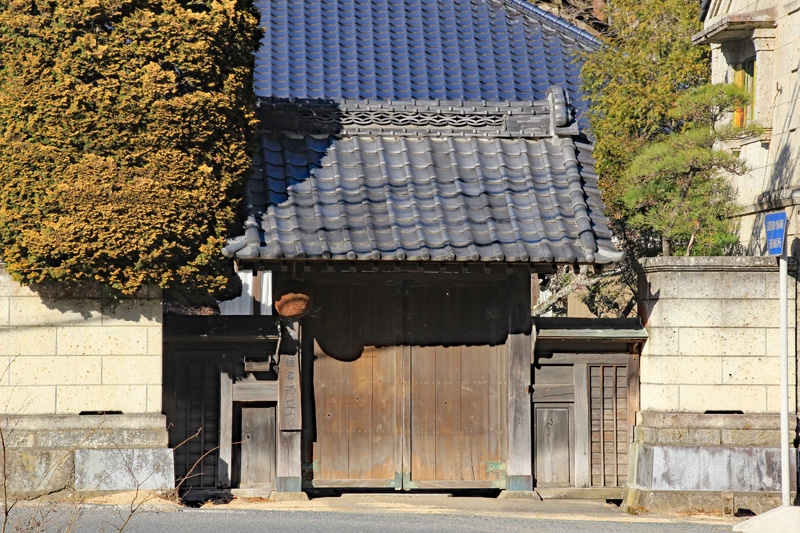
[{"x": 415, "y": 49}]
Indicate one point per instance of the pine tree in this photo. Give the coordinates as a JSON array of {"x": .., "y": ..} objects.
[{"x": 653, "y": 115}]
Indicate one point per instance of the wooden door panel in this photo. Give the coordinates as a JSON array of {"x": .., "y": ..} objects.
[
  {"x": 553, "y": 445},
  {"x": 357, "y": 418},
  {"x": 457, "y": 424},
  {"x": 474, "y": 411},
  {"x": 258, "y": 446},
  {"x": 424, "y": 413},
  {"x": 356, "y": 388},
  {"x": 452, "y": 431}
]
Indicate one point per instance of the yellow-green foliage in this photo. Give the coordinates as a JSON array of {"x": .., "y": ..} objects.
[
  {"x": 633, "y": 82},
  {"x": 126, "y": 133}
]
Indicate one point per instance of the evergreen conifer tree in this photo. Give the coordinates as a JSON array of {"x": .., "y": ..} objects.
[{"x": 125, "y": 133}]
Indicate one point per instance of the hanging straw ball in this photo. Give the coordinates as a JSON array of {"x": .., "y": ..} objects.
[{"x": 294, "y": 301}]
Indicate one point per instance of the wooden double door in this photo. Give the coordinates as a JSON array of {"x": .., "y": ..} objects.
[{"x": 410, "y": 386}]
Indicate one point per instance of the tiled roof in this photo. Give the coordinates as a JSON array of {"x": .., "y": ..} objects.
[
  {"x": 416, "y": 49},
  {"x": 436, "y": 130},
  {"x": 424, "y": 198}
]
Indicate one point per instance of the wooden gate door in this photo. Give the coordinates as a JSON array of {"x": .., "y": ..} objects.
[
  {"x": 410, "y": 387},
  {"x": 357, "y": 389},
  {"x": 455, "y": 387}
]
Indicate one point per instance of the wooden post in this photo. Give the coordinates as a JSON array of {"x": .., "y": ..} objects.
[
  {"x": 225, "y": 453},
  {"x": 633, "y": 387},
  {"x": 519, "y": 463},
  {"x": 289, "y": 414},
  {"x": 583, "y": 446}
]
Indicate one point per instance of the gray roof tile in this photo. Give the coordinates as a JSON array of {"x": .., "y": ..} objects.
[{"x": 424, "y": 198}]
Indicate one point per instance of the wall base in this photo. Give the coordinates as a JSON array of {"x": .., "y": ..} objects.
[
  {"x": 49, "y": 453},
  {"x": 717, "y": 463},
  {"x": 712, "y": 502}
]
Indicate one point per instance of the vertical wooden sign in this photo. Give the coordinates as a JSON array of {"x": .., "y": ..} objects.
[{"x": 289, "y": 418}]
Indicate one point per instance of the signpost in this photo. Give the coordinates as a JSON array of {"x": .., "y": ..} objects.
[
  {"x": 784, "y": 518},
  {"x": 775, "y": 224}
]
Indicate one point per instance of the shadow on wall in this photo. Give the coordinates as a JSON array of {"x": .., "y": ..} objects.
[
  {"x": 782, "y": 174},
  {"x": 647, "y": 299},
  {"x": 349, "y": 316},
  {"x": 78, "y": 303}
]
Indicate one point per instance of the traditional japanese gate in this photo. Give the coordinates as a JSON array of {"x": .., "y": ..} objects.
[{"x": 410, "y": 385}]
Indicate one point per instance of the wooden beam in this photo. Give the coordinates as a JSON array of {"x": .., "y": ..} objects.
[
  {"x": 224, "y": 454},
  {"x": 578, "y": 358},
  {"x": 583, "y": 445},
  {"x": 519, "y": 465},
  {"x": 255, "y": 391}
]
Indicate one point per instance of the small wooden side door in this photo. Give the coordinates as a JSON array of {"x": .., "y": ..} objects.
[
  {"x": 554, "y": 444},
  {"x": 581, "y": 405}
]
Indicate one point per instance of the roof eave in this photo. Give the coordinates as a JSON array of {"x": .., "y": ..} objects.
[{"x": 735, "y": 27}]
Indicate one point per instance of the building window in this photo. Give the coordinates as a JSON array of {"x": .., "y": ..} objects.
[{"x": 744, "y": 75}]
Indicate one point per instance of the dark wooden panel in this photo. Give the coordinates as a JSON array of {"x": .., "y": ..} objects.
[
  {"x": 192, "y": 402},
  {"x": 258, "y": 446}
]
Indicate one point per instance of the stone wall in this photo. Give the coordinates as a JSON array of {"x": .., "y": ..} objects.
[
  {"x": 706, "y": 463},
  {"x": 707, "y": 437},
  {"x": 713, "y": 325},
  {"x": 67, "y": 350},
  {"x": 80, "y": 390},
  {"x": 48, "y": 453}
]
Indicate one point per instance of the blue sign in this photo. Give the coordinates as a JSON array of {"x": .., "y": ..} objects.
[{"x": 775, "y": 223}]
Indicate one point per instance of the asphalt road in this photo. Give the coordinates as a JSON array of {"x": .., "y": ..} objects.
[{"x": 109, "y": 518}]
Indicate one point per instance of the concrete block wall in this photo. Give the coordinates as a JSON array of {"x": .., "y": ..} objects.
[
  {"x": 67, "y": 350},
  {"x": 714, "y": 344}
]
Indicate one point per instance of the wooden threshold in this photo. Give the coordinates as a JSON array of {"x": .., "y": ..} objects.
[
  {"x": 572, "y": 493},
  {"x": 353, "y": 483},
  {"x": 458, "y": 484}
]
